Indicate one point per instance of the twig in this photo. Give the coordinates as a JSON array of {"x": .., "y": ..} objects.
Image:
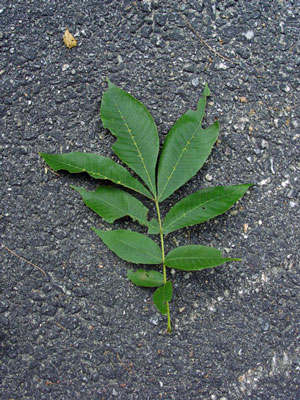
[
  {"x": 203, "y": 41},
  {"x": 51, "y": 170},
  {"x": 23, "y": 259},
  {"x": 58, "y": 324},
  {"x": 130, "y": 370}
]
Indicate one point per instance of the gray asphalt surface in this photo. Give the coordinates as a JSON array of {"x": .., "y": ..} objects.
[{"x": 84, "y": 331}]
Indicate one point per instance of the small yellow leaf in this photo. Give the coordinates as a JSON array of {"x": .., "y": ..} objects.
[{"x": 69, "y": 39}]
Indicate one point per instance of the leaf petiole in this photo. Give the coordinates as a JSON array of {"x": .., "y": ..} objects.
[{"x": 163, "y": 260}]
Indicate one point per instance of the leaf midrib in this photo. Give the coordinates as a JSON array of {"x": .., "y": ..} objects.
[{"x": 194, "y": 258}]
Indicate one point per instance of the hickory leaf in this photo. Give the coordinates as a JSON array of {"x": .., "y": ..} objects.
[
  {"x": 145, "y": 278},
  {"x": 137, "y": 139},
  {"x": 96, "y": 166},
  {"x": 112, "y": 203},
  {"x": 193, "y": 258},
  {"x": 184, "y": 152},
  {"x": 202, "y": 205},
  {"x": 131, "y": 246}
]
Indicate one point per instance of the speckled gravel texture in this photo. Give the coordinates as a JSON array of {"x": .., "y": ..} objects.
[{"x": 84, "y": 331}]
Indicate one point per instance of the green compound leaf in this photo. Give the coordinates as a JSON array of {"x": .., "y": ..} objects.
[
  {"x": 96, "y": 166},
  {"x": 202, "y": 206},
  {"x": 145, "y": 278},
  {"x": 112, "y": 203},
  {"x": 185, "y": 150},
  {"x": 131, "y": 246},
  {"x": 137, "y": 142},
  {"x": 161, "y": 296},
  {"x": 194, "y": 258}
]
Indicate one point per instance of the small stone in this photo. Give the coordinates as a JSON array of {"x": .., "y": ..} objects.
[
  {"x": 293, "y": 204},
  {"x": 3, "y": 306},
  {"x": 249, "y": 34},
  {"x": 239, "y": 127},
  {"x": 146, "y": 31},
  {"x": 265, "y": 325},
  {"x": 276, "y": 122},
  {"x": 208, "y": 177},
  {"x": 65, "y": 67},
  {"x": 188, "y": 68},
  {"x": 265, "y": 181},
  {"x": 295, "y": 124},
  {"x": 161, "y": 19},
  {"x": 291, "y": 194},
  {"x": 272, "y": 166},
  {"x": 243, "y": 52},
  {"x": 48, "y": 309},
  {"x": 154, "y": 320},
  {"x": 221, "y": 66},
  {"x": 285, "y": 183},
  {"x": 195, "y": 82}
]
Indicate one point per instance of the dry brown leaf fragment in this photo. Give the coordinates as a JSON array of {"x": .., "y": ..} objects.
[
  {"x": 243, "y": 99},
  {"x": 69, "y": 39}
]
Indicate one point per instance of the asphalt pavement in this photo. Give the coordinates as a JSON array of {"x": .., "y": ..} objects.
[{"x": 71, "y": 325}]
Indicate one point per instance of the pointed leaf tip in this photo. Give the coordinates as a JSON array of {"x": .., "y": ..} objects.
[
  {"x": 109, "y": 82},
  {"x": 206, "y": 91}
]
